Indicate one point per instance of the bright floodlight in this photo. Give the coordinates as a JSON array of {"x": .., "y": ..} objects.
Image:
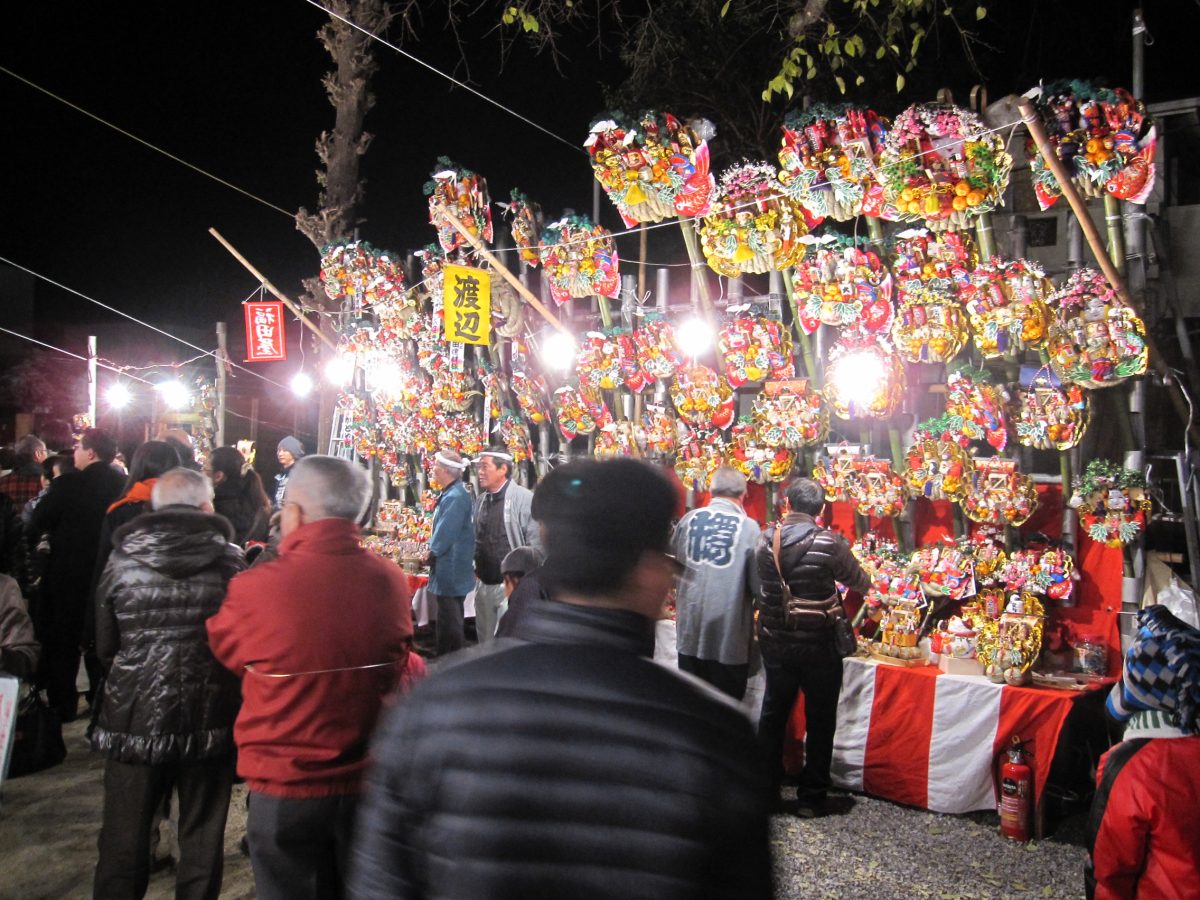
[
  {"x": 118, "y": 396},
  {"x": 386, "y": 377},
  {"x": 174, "y": 393},
  {"x": 694, "y": 337},
  {"x": 559, "y": 351},
  {"x": 302, "y": 384},
  {"x": 860, "y": 378},
  {"x": 340, "y": 369}
]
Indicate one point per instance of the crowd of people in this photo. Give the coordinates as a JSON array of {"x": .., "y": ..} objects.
[{"x": 227, "y": 633}]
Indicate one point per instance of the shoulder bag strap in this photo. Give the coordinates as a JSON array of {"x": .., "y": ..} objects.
[
  {"x": 775, "y": 545},
  {"x": 1117, "y": 758}
]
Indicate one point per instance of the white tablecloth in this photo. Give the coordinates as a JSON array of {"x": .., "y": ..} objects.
[{"x": 425, "y": 610}]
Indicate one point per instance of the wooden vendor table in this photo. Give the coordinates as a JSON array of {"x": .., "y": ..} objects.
[{"x": 930, "y": 740}]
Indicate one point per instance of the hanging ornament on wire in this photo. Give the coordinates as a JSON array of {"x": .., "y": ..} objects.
[{"x": 752, "y": 227}]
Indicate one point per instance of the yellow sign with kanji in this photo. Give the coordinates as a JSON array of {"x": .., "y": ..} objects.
[{"x": 467, "y": 304}]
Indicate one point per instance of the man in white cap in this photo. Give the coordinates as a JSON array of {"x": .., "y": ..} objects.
[
  {"x": 450, "y": 547},
  {"x": 502, "y": 523}
]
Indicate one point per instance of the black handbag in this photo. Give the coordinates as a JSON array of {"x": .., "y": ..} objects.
[
  {"x": 38, "y": 741},
  {"x": 844, "y": 640}
]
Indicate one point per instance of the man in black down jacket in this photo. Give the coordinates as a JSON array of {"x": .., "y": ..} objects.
[
  {"x": 167, "y": 715},
  {"x": 563, "y": 762},
  {"x": 799, "y": 655}
]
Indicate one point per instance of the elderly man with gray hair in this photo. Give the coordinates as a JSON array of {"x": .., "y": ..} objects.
[
  {"x": 715, "y": 600},
  {"x": 318, "y": 637},
  {"x": 166, "y": 714}
]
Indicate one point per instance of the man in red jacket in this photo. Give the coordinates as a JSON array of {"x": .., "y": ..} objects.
[{"x": 318, "y": 637}]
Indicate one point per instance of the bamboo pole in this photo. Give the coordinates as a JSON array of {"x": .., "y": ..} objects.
[
  {"x": 804, "y": 340},
  {"x": 1114, "y": 223},
  {"x": 985, "y": 236},
  {"x": 693, "y": 251},
  {"x": 295, "y": 310},
  {"x": 495, "y": 263},
  {"x": 1079, "y": 207}
]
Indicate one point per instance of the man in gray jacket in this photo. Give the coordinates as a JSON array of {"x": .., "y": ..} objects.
[
  {"x": 502, "y": 523},
  {"x": 715, "y": 598}
]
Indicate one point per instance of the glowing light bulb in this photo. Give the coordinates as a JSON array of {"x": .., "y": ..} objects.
[
  {"x": 859, "y": 379},
  {"x": 559, "y": 351},
  {"x": 340, "y": 369},
  {"x": 174, "y": 393},
  {"x": 118, "y": 396},
  {"x": 694, "y": 337},
  {"x": 302, "y": 384}
]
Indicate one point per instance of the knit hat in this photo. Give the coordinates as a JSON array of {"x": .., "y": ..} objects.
[
  {"x": 292, "y": 445},
  {"x": 1162, "y": 671},
  {"x": 521, "y": 561}
]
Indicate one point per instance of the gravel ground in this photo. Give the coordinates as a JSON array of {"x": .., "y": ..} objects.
[{"x": 49, "y": 823}]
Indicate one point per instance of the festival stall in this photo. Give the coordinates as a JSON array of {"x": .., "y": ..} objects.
[{"x": 938, "y": 390}]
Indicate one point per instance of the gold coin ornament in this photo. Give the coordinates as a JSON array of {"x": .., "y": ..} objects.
[
  {"x": 702, "y": 398},
  {"x": 526, "y": 226},
  {"x": 827, "y": 159},
  {"x": 930, "y": 326},
  {"x": 941, "y": 165},
  {"x": 842, "y": 285},
  {"x": 755, "y": 459},
  {"x": 1010, "y": 645},
  {"x": 752, "y": 227},
  {"x": 1051, "y": 415},
  {"x": 755, "y": 349},
  {"x": 978, "y": 408},
  {"x": 700, "y": 454},
  {"x": 579, "y": 259},
  {"x": 1006, "y": 302},
  {"x": 999, "y": 494},
  {"x": 652, "y": 168},
  {"x": 1095, "y": 340},
  {"x": 1112, "y": 502},
  {"x": 789, "y": 414},
  {"x": 1104, "y": 137},
  {"x": 463, "y": 193},
  {"x": 937, "y": 466},
  {"x": 864, "y": 378}
]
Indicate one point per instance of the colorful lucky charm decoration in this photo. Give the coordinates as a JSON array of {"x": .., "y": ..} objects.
[
  {"x": 941, "y": 164},
  {"x": 900, "y": 602},
  {"x": 998, "y": 494},
  {"x": 515, "y": 434},
  {"x": 986, "y": 546},
  {"x": 1104, "y": 138},
  {"x": 828, "y": 159},
  {"x": 633, "y": 375},
  {"x": 977, "y": 407},
  {"x": 1049, "y": 571},
  {"x": 526, "y": 226},
  {"x": 943, "y": 259},
  {"x": 657, "y": 353},
  {"x": 1051, "y": 416},
  {"x": 930, "y": 326},
  {"x": 876, "y": 489},
  {"x": 572, "y": 413},
  {"x": 1111, "y": 501},
  {"x": 755, "y": 350},
  {"x": 864, "y": 379},
  {"x": 659, "y": 431},
  {"x": 700, "y": 454},
  {"x": 653, "y": 169},
  {"x": 752, "y": 227},
  {"x": 616, "y": 439},
  {"x": 463, "y": 193},
  {"x": 580, "y": 259},
  {"x": 1009, "y": 646},
  {"x": 790, "y": 415},
  {"x": 530, "y": 391},
  {"x": 753, "y": 457},
  {"x": 945, "y": 569},
  {"x": 366, "y": 275},
  {"x": 702, "y": 398},
  {"x": 835, "y": 473},
  {"x": 1095, "y": 340},
  {"x": 938, "y": 468},
  {"x": 1007, "y": 305},
  {"x": 841, "y": 284},
  {"x": 598, "y": 362}
]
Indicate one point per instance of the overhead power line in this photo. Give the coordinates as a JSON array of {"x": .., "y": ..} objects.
[{"x": 26, "y": 337}]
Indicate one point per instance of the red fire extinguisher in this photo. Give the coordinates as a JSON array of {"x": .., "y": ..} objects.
[{"x": 1016, "y": 794}]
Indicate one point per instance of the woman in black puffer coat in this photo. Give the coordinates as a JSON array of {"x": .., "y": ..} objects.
[{"x": 169, "y": 706}]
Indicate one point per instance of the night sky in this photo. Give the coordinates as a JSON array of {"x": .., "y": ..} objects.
[{"x": 235, "y": 88}]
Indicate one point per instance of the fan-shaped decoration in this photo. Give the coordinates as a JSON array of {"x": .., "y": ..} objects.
[
  {"x": 526, "y": 227},
  {"x": 363, "y": 274},
  {"x": 980, "y": 406},
  {"x": 651, "y": 169},
  {"x": 1111, "y": 501},
  {"x": 463, "y": 193},
  {"x": 751, "y": 456},
  {"x": 929, "y": 327},
  {"x": 864, "y": 379},
  {"x": 580, "y": 259},
  {"x": 1104, "y": 138},
  {"x": 944, "y": 260},
  {"x": 1007, "y": 305},
  {"x": 1095, "y": 340},
  {"x": 938, "y": 469},
  {"x": 941, "y": 164},
  {"x": 755, "y": 350},
  {"x": 999, "y": 494},
  {"x": 659, "y": 432},
  {"x": 700, "y": 454},
  {"x": 790, "y": 415},
  {"x": 657, "y": 353},
  {"x": 843, "y": 285},
  {"x": 752, "y": 227},
  {"x": 702, "y": 398},
  {"x": 828, "y": 158},
  {"x": 1050, "y": 416}
]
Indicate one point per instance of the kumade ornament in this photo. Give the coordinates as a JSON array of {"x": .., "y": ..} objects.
[
  {"x": 828, "y": 158},
  {"x": 864, "y": 378},
  {"x": 364, "y": 275},
  {"x": 616, "y": 439},
  {"x": 842, "y": 285},
  {"x": 978, "y": 407},
  {"x": 945, "y": 570},
  {"x": 700, "y": 453},
  {"x": 998, "y": 494},
  {"x": 652, "y": 168},
  {"x": 572, "y": 413},
  {"x": 942, "y": 260},
  {"x": 752, "y": 227},
  {"x": 526, "y": 226},
  {"x": 789, "y": 414},
  {"x": 1050, "y": 415},
  {"x": 876, "y": 489},
  {"x": 938, "y": 468},
  {"x": 755, "y": 459},
  {"x": 1048, "y": 570},
  {"x": 657, "y": 352},
  {"x": 754, "y": 350},
  {"x": 1095, "y": 340},
  {"x": 659, "y": 431},
  {"x": 598, "y": 362},
  {"x": 579, "y": 259},
  {"x": 1105, "y": 140},
  {"x": 1006, "y": 302},
  {"x": 941, "y": 164},
  {"x": 930, "y": 326},
  {"x": 1111, "y": 501},
  {"x": 465, "y": 195},
  {"x": 702, "y": 398}
]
